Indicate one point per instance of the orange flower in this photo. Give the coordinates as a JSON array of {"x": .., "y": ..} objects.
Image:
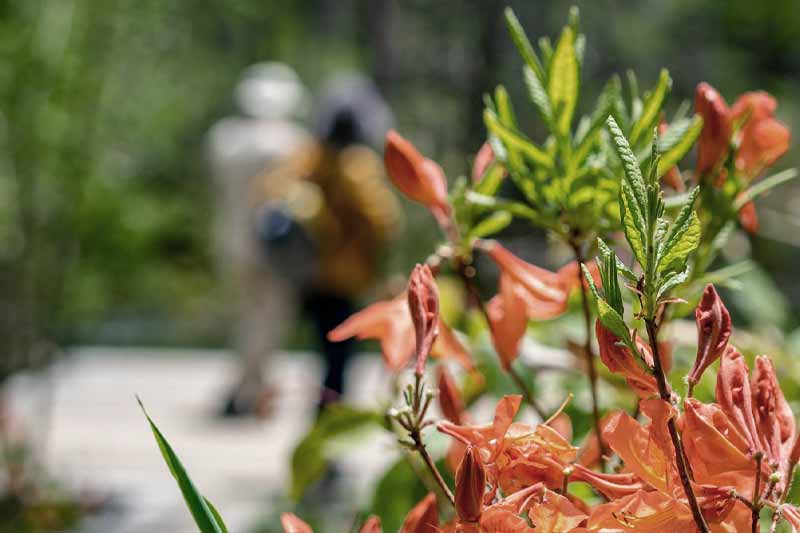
[
  {"x": 423, "y": 518},
  {"x": 619, "y": 359},
  {"x": 292, "y": 524},
  {"x": 713, "y": 331},
  {"x": 423, "y": 303},
  {"x": 545, "y": 292},
  {"x": 450, "y": 401},
  {"x": 763, "y": 139},
  {"x": 390, "y": 322},
  {"x": 419, "y": 178},
  {"x": 717, "y": 128},
  {"x": 508, "y": 320}
]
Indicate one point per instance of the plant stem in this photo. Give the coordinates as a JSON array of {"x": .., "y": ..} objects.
[
  {"x": 680, "y": 458},
  {"x": 413, "y": 422},
  {"x": 416, "y": 436},
  {"x": 756, "y": 492},
  {"x": 526, "y": 393},
  {"x": 469, "y": 284},
  {"x": 589, "y": 354}
]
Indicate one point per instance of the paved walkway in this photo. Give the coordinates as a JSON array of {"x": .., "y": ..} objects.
[{"x": 97, "y": 439}]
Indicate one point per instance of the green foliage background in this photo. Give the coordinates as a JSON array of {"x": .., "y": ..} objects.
[{"x": 103, "y": 184}]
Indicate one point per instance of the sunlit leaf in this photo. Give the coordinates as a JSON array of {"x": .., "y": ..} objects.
[
  {"x": 206, "y": 517},
  {"x": 523, "y": 44},
  {"x": 492, "y": 224},
  {"x": 563, "y": 80},
  {"x": 651, "y": 108},
  {"x": 677, "y": 141}
]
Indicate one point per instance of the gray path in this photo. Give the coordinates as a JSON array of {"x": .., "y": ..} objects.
[{"x": 98, "y": 440}]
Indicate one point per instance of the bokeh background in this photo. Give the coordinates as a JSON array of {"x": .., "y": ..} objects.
[{"x": 105, "y": 195}]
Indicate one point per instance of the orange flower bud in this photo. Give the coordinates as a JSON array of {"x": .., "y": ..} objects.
[
  {"x": 717, "y": 128},
  {"x": 423, "y": 518},
  {"x": 713, "y": 331},
  {"x": 423, "y": 303},
  {"x": 470, "y": 486}
]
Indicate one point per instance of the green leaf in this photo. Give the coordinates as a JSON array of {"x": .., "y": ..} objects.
[
  {"x": 505, "y": 111},
  {"x": 523, "y": 44},
  {"x": 613, "y": 321},
  {"x": 651, "y": 108},
  {"x": 205, "y": 515},
  {"x": 633, "y": 224},
  {"x": 621, "y": 267},
  {"x": 677, "y": 141},
  {"x": 563, "y": 80},
  {"x": 632, "y": 173},
  {"x": 310, "y": 457},
  {"x": 491, "y": 179},
  {"x": 670, "y": 281},
  {"x": 590, "y": 280},
  {"x": 406, "y": 489},
  {"x": 538, "y": 95},
  {"x": 683, "y": 237},
  {"x": 765, "y": 185},
  {"x": 516, "y": 141},
  {"x": 492, "y": 224}
]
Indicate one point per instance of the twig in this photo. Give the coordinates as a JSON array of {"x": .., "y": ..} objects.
[
  {"x": 756, "y": 509},
  {"x": 412, "y": 419},
  {"x": 526, "y": 393},
  {"x": 680, "y": 457},
  {"x": 587, "y": 319},
  {"x": 469, "y": 284}
]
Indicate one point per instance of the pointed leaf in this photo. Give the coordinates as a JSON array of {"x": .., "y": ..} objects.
[
  {"x": 206, "y": 517},
  {"x": 516, "y": 141},
  {"x": 492, "y": 224},
  {"x": 630, "y": 165},
  {"x": 651, "y": 108},
  {"x": 538, "y": 95},
  {"x": 613, "y": 321},
  {"x": 563, "y": 80},
  {"x": 677, "y": 141},
  {"x": 523, "y": 44},
  {"x": 682, "y": 238}
]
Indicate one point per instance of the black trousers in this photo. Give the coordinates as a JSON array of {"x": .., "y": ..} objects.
[{"x": 327, "y": 310}]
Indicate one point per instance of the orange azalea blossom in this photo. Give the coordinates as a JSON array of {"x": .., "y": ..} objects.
[
  {"x": 390, "y": 322},
  {"x": 547, "y": 510},
  {"x": 423, "y": 518},
  {"x": 508, "y": 319},
  {"x": 516, "y": 455},
  {"x": 545, "y": 293},
  {"x": 423, "y": 303},
  {"x": 659, "y": 504},
  {"x": 619, "y": 359},
  {"x": 419, "y": 178},
  {"x": 717, "y": 128},
  {"x": 763, "y": 139}
]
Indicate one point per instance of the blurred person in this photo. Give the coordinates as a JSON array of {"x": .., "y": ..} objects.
[
  {"x": 264, "y": 135},
  {"x": 336, "y": 192}
]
